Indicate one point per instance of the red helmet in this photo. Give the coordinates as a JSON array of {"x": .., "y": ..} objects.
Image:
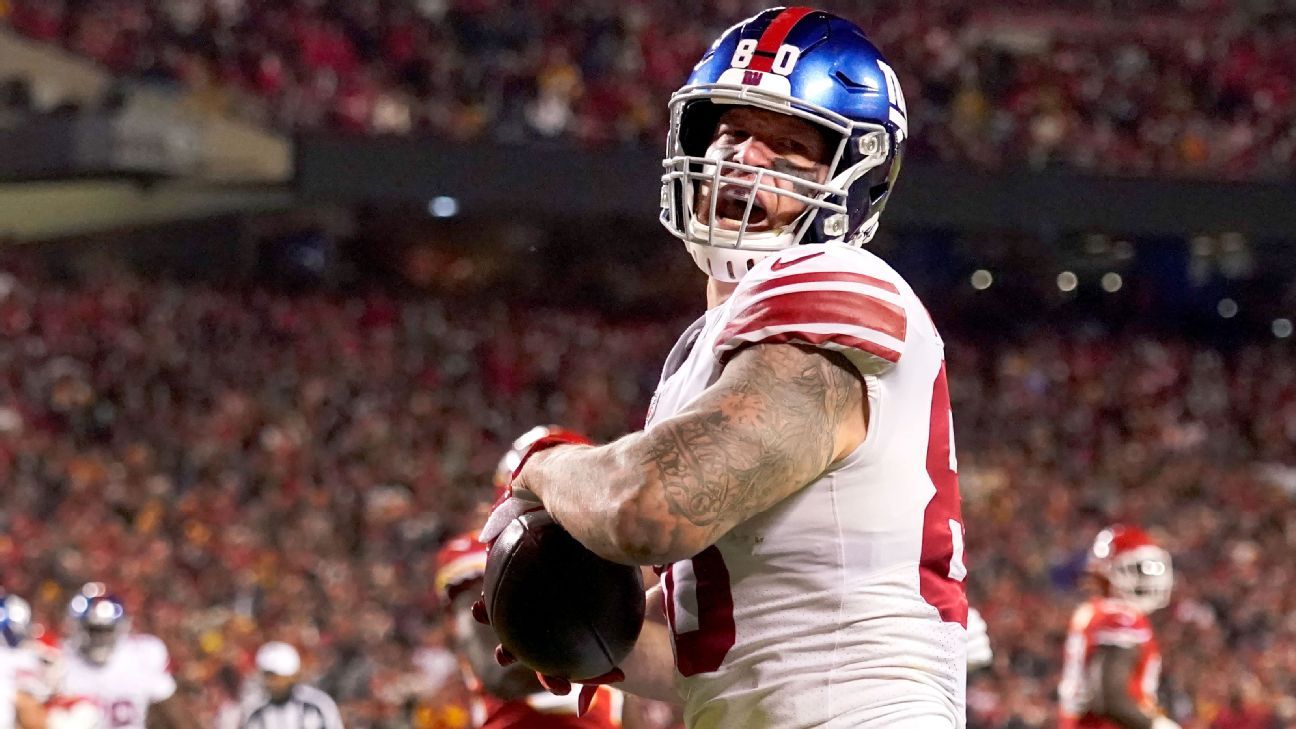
[
  {"x": 1137, "y": 570},
  {"x": 459, "y": 562},
  {"x": 511, "y": 460}
]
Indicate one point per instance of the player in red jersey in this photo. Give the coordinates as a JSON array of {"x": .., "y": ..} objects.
[{"x": 1112, "y": 663}]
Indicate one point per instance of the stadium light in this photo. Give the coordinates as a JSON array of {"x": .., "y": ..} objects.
[
  {"x": 1227, "y": 308},
  {"x": 443, "y": 206},
  {"x": 1112, "y": 282},
  {"x": 982, "y": 279},
  {"x": 1067, "y": 281},
  {"x": 1282, "y": 328}
]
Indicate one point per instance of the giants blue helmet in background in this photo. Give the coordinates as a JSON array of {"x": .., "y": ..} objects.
[
  {"x": 811, "y": 65},
  {"x": 15, "y": 619},
  {"x": 99, "y": 620}
]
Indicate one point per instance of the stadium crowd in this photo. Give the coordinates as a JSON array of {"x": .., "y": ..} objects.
[
  {"x": 242, "y": 465},
  {"x": 1182, "y": 87}
]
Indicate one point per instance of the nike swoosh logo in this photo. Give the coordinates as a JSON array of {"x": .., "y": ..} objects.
[{"x": 780, "y": 265}]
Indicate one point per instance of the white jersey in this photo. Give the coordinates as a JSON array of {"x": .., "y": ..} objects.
[
  {"x": 136, "y": 675},
  {"x": 20, "y": 671},
  {"x": 844, "y": 605}
]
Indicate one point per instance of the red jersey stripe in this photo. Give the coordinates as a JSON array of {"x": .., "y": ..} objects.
[
  {"x": 823, "y": 277},
  {"x": 774, "y": 35},
  {"x": 820, "y": 307},
  {"x": 841, "y": 341}
]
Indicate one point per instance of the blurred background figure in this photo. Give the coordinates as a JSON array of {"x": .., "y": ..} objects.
[
  {"x": 125, "y": 675},
  {"x": 1112, "y": 668},
  {"x": 22, "y": 689},
  {"x": 285, "y": 702},
  {"x": 979, "y": 653}
]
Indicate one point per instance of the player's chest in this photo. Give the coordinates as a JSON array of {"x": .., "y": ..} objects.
[
  {"x": 690, "y": 368},
  {"x": 117, "y": 681}
]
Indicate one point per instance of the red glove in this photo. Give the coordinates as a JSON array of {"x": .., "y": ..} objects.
[{"x": 512, "y": 504}]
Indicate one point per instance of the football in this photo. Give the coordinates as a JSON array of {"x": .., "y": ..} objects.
[{"x": 560, "y": 608}]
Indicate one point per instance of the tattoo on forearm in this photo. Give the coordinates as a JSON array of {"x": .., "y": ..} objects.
[{"x": 770, "y": 423}]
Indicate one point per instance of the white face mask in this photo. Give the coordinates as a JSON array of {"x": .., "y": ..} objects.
[
  {"x": 1143, "y": 577},
  {"x": 728, "y": 254},
  {"x": 99, "y": 644}
]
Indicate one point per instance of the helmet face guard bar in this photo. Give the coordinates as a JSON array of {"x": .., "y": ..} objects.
[
  {"x": 1143, "y": 576},
  {"x": 687, "y": 171},
  {"x": 692, "y": 171}
]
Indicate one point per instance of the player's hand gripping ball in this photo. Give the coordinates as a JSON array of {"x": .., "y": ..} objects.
[{"x": 556, "y": 606}]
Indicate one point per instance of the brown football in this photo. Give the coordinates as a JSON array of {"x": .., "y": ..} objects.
[{"x": 557, "y": 606}]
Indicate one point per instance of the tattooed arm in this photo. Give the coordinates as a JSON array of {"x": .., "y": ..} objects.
[{"x": 776, "y": 419}]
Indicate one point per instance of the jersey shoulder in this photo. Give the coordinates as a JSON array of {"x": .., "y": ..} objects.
[
  {"x": 25, "y": 668},
  {"x": 147, "y": 650},
  {"x": 832, "y": 296},
  {"x": 1118, "y": 624},
  {"x": 145, "y": 646}
]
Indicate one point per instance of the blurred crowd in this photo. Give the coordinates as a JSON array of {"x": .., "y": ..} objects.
[
  {"x": 1182, "y": 87},
  {"x": 1060, "y": 436},
  {"x": 242, "y": 465}
]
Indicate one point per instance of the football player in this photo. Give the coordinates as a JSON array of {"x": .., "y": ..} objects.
[
  {"x": 1112, "y": 663},
  {"x": 22, "y": 692},
  {"x": 796, "y": 476},
  {"x": 127, "y": 676}
]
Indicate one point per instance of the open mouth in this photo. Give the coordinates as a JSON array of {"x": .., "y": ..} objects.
[{"x": 731, "y": 207}]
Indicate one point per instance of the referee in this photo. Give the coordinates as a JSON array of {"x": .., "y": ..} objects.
[{"x": 287, "y": 704}]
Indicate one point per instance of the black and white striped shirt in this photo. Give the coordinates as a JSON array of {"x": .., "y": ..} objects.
[{"x": 306, "y": 708}]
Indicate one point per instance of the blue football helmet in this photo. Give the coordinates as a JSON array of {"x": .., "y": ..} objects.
[
  {"x": 808, "y": 64},
  {"x": 15, "y": 619},
  {"x": 99, "y": 620}
]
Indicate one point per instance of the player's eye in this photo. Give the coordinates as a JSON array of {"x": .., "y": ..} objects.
[
  {"x": 735, "y": 134},
  {"x": 793, "y": 147}
]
